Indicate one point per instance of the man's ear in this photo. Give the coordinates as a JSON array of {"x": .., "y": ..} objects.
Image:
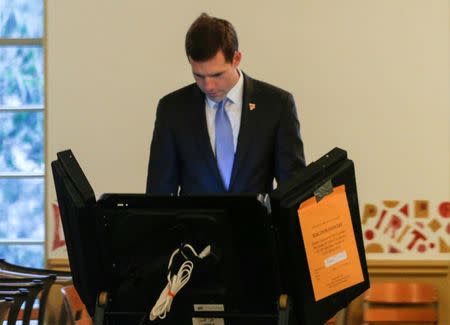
[{"x": 237, "y": 58}]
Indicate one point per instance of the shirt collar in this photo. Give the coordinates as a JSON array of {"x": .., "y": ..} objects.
[{"x": 235, "y": 94}]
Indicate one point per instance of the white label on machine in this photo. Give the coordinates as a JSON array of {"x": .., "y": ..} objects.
[
  {"x": 207, "y": 321},
  {"x": 209, "y": 307},
  {"x": 335, "y": 258}
]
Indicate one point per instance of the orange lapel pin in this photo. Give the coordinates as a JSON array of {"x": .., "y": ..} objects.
[{"x": 251, "y": 106}]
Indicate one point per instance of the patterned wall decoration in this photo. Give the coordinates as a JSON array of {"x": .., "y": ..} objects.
[
  {"x": 418, "y": 227},
  {"x": 56, "y": 234}
]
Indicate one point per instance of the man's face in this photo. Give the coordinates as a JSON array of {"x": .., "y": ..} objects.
[{"x": 215, "y": 77}]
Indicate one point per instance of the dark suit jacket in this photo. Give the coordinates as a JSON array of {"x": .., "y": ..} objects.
[{"x": 269, "y": 143}]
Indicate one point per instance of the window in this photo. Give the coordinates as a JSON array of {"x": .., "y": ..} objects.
[{"x": 22, "y": 166}]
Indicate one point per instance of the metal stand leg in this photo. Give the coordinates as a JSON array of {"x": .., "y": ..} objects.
[
  {"x": 100, "y": 307},
  {"x": 286, "y": 314}
]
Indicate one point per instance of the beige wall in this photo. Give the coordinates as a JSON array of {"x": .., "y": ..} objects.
[{"x": 369, "y": 76}]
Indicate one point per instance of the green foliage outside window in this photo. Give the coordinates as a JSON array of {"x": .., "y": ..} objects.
[
  {"x": 22, "y": 227},
  {"x": 21, "y": 19},
  {"x": 22, "y": 142},
  {"x": 21, "y": 76}
]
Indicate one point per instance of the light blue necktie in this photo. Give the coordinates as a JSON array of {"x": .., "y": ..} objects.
[{"x": 224, "y": 143}]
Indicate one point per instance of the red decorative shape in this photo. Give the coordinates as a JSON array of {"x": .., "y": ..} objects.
[
  {"x": 417, "y": 235},
  {"x": 444, "y": 209},
  {"x": 405, "y": 210},
  {"x": 393, "y": 249},
  {"x": 432, "y": 245},
  {"x": 422, "y": 248},
  {"x": 394, "y": 224},
  {"x": 57, "y": 241},
  {"x": 383, "y": 214},
  {"x": 369, "y": 234},
  {"x": 420, "y": 224}
]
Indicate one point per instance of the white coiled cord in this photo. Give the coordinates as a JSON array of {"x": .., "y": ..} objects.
[{"x": 175, "y": 282}]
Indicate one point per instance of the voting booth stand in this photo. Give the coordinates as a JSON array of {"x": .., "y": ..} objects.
[{"x": 293, "y": 256}]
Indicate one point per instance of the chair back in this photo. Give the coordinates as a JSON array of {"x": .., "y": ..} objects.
[
  {"x": 406, "y": 302},
  {"x": 34, "y": 287},
  {"x": 5, "y": 305},
  {"x": 18, "y": 298},
  {"x": 47, "y": 282},
  {"x": 47, "y": 314},
  {"x": 19, "y": 270},
  {"x": 76, "y": 310}
]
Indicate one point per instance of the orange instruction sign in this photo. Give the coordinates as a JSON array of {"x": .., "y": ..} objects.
[{"x": 330, "y": 243}]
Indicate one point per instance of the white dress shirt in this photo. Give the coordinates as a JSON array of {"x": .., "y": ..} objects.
[{"x": 233, "y": 107}]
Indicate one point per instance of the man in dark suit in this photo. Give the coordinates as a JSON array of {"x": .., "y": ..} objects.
[{"x": 226, "y": 132}]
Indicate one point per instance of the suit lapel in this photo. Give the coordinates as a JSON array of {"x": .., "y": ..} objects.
[{"x": 246, "y": 130}]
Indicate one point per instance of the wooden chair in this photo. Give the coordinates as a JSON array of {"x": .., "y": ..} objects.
[
  {"x": 13, "y": 273},
  {"x": 33, "y": 288},
  {"x": 18, "y": 298},
  {"x": 46, "y": 281},
  {"x": 5, "y": 305},
  {"x": 61, "y": 276},
  {"x": 401, "y": 302},
  {"x": 75, "y": 308}
]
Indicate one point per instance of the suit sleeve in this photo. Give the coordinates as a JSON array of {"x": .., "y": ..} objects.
[
  {"x": 289, "y": 154},
  {"x": 162, "y": 176}
]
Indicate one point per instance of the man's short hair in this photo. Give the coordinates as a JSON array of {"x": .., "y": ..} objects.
[{"x": 207, "y": 35}]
